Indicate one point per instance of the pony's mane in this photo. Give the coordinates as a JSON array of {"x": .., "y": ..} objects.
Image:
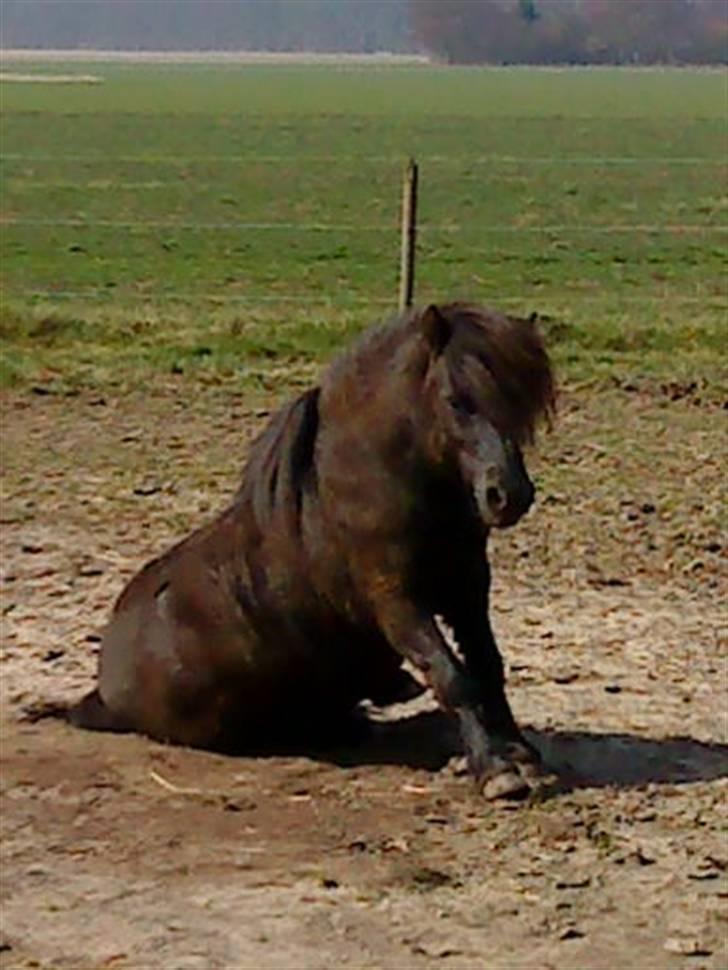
[
  {"x": 510, "y": 347},
  {"x": 381, "y": 343},
  {"x": 513, "y": 351}
]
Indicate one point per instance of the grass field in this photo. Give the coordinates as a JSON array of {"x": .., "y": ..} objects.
[{"x": 221, "y": 219}]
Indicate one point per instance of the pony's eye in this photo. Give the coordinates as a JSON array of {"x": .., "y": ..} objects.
[{"x": 463, "y": 404}]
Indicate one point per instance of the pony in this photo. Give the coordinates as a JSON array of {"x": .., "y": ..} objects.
[{"x": 363, "y": 515}]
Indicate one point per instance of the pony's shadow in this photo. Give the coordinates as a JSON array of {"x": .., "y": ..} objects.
[{"x": 584, "y": 759}]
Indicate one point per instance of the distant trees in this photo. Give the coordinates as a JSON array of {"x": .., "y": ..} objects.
[
  {"x": 455, "y": 31},
  {"x": 499, "y": 31},
  {"x": 656, "y": 31},
  {"x": 573, "y": 31}
]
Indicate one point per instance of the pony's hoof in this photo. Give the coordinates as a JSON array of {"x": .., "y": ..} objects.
[
  {"x": 534, "y": 772},
  {"x": 458, "y": 766},
  {"x": 506, "y": 785}
]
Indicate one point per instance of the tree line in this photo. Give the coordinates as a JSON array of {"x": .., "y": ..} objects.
[
  {"x": 452, "y": 31},
  {"x": 573, "y": 31}
]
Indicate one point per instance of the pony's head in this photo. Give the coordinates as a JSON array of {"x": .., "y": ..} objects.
[{"x": 488, "y": 381}]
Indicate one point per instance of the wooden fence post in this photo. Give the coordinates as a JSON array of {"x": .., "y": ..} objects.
[{"x": 409, "y": 236}]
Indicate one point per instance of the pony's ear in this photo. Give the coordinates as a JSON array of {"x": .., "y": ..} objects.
[{"x": 436, "y": 328}]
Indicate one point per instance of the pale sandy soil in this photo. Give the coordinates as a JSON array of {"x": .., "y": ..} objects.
[{"x": 118, "y": 852}]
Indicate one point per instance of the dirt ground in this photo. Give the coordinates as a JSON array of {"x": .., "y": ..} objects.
[{"x": 119, "y": 852}]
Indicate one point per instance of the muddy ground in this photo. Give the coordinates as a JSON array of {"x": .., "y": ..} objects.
[{"x": 119, "y": 852}]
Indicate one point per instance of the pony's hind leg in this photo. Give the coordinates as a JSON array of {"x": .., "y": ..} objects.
[
  {"x": 91, "y": 713},
  {"x": 387, "y": 681}
]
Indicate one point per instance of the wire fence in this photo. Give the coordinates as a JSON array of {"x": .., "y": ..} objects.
[
  {"x": 342, "y": 299},
  {"x": 707, "y": 290},
  {"x": 459, "y": 161},
  {"x": 556, "y": 229}
]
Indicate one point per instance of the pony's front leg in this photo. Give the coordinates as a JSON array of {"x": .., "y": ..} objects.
[
  {"x": 466, "y": 611},
  {"x": 493, "y": 758}
]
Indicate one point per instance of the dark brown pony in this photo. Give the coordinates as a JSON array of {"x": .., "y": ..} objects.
[{"x": 363, "y": 513}]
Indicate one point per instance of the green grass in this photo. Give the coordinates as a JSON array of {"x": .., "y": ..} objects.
[{"x": 218, "y": 220}]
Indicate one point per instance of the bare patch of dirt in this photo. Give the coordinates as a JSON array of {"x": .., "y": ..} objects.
[
  {"x": 18, "y": 78},
  {"x": 119, "y": 852}
]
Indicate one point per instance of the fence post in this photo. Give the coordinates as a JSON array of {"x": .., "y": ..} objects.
[{"x": 409, "y": 236}]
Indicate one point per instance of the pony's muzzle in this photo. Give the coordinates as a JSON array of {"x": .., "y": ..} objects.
[{"x": 502, "y": 506}]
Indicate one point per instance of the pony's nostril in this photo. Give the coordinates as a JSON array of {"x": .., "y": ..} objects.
[{"x": 495, "y": 498}]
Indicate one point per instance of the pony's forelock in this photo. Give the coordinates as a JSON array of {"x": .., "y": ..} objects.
[{"x": 513, "y": 351}]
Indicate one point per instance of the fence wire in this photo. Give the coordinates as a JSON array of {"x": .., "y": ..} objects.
[
  {"x": 459, "y": 161},
  {"x": 428, "y": 230},
  {"x": 556, "y": 229},
  {"x": 116, "y": 293}
]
